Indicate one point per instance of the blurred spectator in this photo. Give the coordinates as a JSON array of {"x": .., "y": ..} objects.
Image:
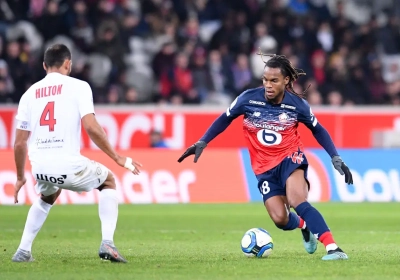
[
  {"x": 391, "y": 36},
  {"x": 52, "y": 18},
  {"x": 280, "y": 29},
  {"x": 376, "y": 83},
  {"x": 265, "y": 43},
  {"x": 205, "y": 51},
  {"x": 4, "y": 95},
  {"x": 129, "y": 28},
  {"x": 241, "y": 73},
  {"x": 392, "y": 92},
  {"x": 163, "y": 59},
  {"x": 5, "y": 76},
  {"x": 221, "y": 74},
  {"x": 177, "y": 82},
  {"x": 131, "y": 96},
  {"x": 156, "y": 140},
  {"x": 18, "y": 69},
  {"x": 325, "y": 36},
  {"x": 114, "y": 95},
  {"x": 202, "y": 81},
  {"x": 335, "y": 98},
  {"x": 242, "y": 32},
  {"x": 225, "y": 34},
  {"x": 108, "y": 43},
  {"x": 299, "y": 7},
  {"x": 318, "y": 65},
  {"x": 189, "y": 32},
  {"x": 314, "y": 98},
  {"x": 357, "y": 89}
]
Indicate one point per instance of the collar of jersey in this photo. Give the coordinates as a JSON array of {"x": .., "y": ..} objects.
[{"x": 53, "y": 73}]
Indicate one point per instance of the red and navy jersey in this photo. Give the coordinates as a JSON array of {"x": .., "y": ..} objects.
[{"x": 270, "y": 129}]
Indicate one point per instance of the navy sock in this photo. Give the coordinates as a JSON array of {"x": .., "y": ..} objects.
[
  {"x": 314, "y": 220},
  {"x": 293, "y": 223}
]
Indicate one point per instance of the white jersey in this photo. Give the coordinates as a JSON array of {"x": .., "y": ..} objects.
[{"x": 51, "y": 110}]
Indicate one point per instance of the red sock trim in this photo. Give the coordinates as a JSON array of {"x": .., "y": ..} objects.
[
  {"x": 326, "y": 238},
  {"x": 301, "y": 223}
]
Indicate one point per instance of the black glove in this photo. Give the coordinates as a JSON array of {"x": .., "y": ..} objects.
[
  {"x": 343, "y": 169},
  {"x": 196, "y": 150}
]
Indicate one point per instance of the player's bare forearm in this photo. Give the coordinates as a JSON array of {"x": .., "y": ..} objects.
[
  {"x": 99, "y": 137},
  {"x": 20, "y": 151}
]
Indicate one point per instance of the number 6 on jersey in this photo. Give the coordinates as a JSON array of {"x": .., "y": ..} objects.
[{"x": 47, "y": 117}]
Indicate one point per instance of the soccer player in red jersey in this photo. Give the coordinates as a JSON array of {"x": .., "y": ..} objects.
[{"x": 271, "y": 116}]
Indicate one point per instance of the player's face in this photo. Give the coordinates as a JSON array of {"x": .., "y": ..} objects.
[{"x": 274, "y": 83}]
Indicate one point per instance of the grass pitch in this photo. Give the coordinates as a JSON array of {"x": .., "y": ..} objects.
[{"x": 200, "y": 242}]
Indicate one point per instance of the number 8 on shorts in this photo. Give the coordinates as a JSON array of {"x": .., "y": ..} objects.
[{"x": 265, "y": 188}]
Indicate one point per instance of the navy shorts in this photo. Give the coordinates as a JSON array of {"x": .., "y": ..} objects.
[{"x": 273, "y": 182}]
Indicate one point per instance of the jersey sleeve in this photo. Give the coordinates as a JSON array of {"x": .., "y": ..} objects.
[
  {"x": 23, "y": 116},
  {"x": 236, "y": 108},
  {"x": 85, "y": 101},
  {"x": 306, "y": 116}
]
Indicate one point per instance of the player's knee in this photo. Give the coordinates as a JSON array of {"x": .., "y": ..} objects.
[
  {"x": 51, "y": 199},
  {"x": 109, "y": 183},
  {"x": 280, "y": 219},
  {"x": 296, "y": 200}
]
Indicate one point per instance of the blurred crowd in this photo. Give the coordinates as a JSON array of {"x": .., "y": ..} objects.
[{"x": 205, "y": 51}]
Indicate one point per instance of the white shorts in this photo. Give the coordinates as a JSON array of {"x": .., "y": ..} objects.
[{"x": 90, "y": 177}]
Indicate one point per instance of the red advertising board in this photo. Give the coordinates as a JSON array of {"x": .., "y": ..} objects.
[
  {"x": 217, "y": 177},
  {"x": 129, "y": 127}
]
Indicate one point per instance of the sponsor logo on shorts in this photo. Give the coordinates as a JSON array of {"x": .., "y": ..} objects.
[{"x": 48, "y": 178}]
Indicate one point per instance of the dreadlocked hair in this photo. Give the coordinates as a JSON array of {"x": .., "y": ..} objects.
[{"x": 287, "y": 69}]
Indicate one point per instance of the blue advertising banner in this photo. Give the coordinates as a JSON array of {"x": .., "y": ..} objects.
[{"x": 376, "y": 174}]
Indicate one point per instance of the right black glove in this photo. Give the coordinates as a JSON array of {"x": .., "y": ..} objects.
[
  {"x": 196, "y": 150},
  {"x": 342, "y": 168}
]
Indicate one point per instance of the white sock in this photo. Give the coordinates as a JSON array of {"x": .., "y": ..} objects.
[
  {"x": 108, "y": 212},
  {"x": 36, "y": 216},
  {"x": 331, "y": 247}
]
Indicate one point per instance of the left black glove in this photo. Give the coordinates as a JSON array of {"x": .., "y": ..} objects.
[
  {"x": 343, "y": 169},
  {"x": 196, "y": 150}
]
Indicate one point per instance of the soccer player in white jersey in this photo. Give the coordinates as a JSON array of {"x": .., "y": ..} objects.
[{"x": 49, "y": 128}]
